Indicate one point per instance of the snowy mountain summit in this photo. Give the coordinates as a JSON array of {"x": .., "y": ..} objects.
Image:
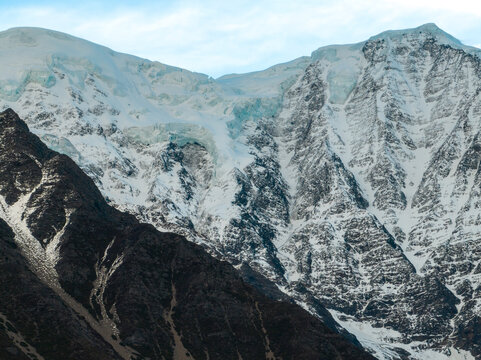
[{"x": 350, "y": 178}]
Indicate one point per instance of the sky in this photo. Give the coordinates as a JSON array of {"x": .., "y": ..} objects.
[{"x": 222, "y": 37}]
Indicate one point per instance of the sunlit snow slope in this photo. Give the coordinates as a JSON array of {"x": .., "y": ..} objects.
[{"x": 351, "y": 177}]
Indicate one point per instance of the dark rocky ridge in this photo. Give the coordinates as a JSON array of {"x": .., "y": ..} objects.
[
  {"x": 35, "y": 311},
  {"x": 112, "y": 287}
]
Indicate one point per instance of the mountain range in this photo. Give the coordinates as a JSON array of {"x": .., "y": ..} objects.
[{"x": 347, "y": 182}]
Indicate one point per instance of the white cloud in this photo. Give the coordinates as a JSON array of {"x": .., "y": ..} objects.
[
  {"x": 453, "y": 7},
  {"x": 218, "y": 37}
]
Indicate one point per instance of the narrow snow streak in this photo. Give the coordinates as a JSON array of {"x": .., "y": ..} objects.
[
  {"x": 180, "y": 352},
  {"x": 99, "y": 285},
  {"x": 267, "y": 344}
]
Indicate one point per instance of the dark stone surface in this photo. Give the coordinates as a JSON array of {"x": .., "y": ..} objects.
[
  {"x": 38, "y": 314},
  {"x": 8, "y": 350}
]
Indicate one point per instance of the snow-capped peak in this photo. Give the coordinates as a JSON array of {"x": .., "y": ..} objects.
[{"x": 350, "y": 177}]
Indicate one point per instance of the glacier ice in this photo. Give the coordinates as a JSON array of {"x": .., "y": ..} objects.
[
  {"x": 63, "y": 146},
  {"x": 177, "y": 133}
]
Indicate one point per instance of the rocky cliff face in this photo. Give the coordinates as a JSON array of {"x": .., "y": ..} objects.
[
  {"x": 80, "y": 279},
  {"x": 350, "y": 178}
]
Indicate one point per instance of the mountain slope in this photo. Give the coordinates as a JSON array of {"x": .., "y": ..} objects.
[
  {"x": 96, "y": 283},
  {"x": 404, "y": 131},
  {"x": 349, "y": 178}
]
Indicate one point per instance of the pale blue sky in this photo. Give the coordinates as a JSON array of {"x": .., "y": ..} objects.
[{"x": 219, "y": 37}]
